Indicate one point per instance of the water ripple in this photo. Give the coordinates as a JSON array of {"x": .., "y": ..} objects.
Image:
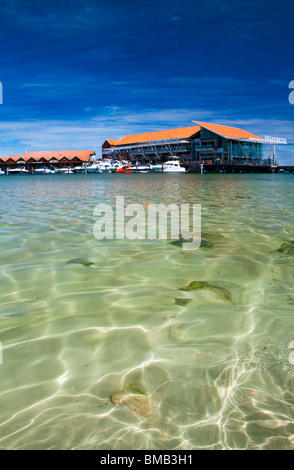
[{"x": 219, "y": 373}]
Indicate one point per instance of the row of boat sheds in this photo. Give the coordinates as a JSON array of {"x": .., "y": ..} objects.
[{"x": 201, "y": 147}]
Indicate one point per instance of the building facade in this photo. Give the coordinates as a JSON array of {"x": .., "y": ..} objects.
[
  {"x": 226, "y": 145},
  {"x": 204, "y": 142}
]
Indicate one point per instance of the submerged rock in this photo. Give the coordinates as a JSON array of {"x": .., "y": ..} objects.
[
  {"x": 287, "y": 248},
  {"x": 206, "y": 243},
  {"x": 222, "y": 293},
  {"x": 182, "y": 302},
  {"x": 178, "y": 242},
  {"x": 208, "y": 240},
  {"x": 33, "y": 301},
  {"x": 181, "y": 241},
  {"x": 135, "y": 400},
  {"x": 213, "y": 237},
  {"x": 82, "y": 261},
  {"x": 194, "y": 285},
  {"x": 291, "y": 358}
]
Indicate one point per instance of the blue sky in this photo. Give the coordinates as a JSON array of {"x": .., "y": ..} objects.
[{"x": 77, "y": 72}]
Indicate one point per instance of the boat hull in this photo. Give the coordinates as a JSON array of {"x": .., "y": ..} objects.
[
  {"x": 18, "y": 172},
  {"x": 169, "y": 170},
  {"x": 45, "y": 172},
  {"x": 93, "y": 170},
  {"x": 65, "y": 171}
]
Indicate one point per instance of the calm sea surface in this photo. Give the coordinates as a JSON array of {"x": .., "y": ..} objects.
[{"x": 81, "y": 319}]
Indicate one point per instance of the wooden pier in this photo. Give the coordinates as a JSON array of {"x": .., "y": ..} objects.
[{"x": 194, "y": 167}]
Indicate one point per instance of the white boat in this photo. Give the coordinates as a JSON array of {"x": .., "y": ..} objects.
[
  {"x": 45, "y": 171},
  {"x": 17, "y": 171},
  {"x": 114, "y": 167},
  {"x": 118, "y": 165},
  {"x": 2, "y": 172},
  {"x": 106, "y": 166},
  {"x": 65, "y": 171},
  {"x": 80, "y": 169},
  {"x": 171, "y": 166},
  {"x": 94, "y": 168}
]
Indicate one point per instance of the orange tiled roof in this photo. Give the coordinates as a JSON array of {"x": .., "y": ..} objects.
[
  {"x": 59, "y": 155},
  {"x": 112, "y": 141},
  {"x": 183, "y": 132},
  {"x": 228, "y": 132},
  {"x": 5, "y": 159},
  {"x": 83, "y": 155}
]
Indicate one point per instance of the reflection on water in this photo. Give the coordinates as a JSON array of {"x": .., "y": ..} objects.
[{"x": 81, "y": 319}]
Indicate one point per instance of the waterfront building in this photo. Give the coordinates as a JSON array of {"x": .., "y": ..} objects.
[
  {"x": 204, "y": 142},
  {"x": 34, "y": 160}
]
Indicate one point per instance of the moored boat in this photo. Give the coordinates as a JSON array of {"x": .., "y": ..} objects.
[
  {"x": 171, "y": 166},
  {"x": 125, "y": 169},
  {"x": 94, "y": 168},
  {"x": 65, "y": 171},
  {"x": 80, "y": 169},
  {"x": 45, "y": 171},
  {"x": 115, "y": 166},
  {"x": 17, "y": 171},
  {"x": 106, "y": 166}
]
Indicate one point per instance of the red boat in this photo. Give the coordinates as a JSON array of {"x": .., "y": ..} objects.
[{"x": 125, "y": 169}]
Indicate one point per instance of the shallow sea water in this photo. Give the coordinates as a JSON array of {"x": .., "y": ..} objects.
[{"x": 217, "y": 370}]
